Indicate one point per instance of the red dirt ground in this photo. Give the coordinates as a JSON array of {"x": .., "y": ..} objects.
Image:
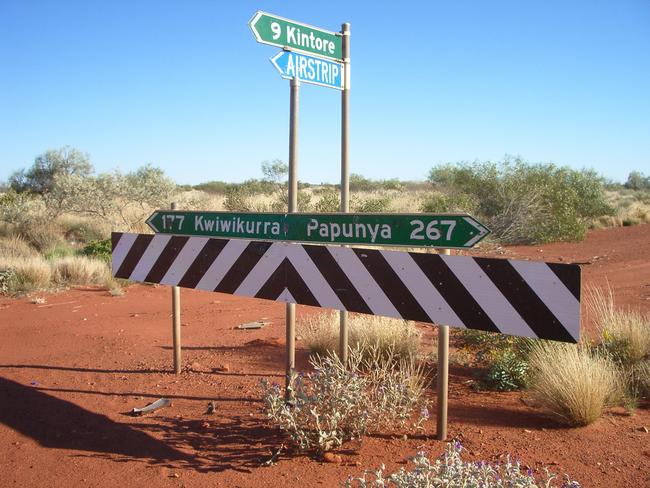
[{"x": 71, "y": 367}]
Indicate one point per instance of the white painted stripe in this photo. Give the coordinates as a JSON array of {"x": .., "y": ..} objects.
[
  {"x": 488, "y": 296},
  {"x": 422, "y": 289},
  {"x": 220, "y": 266},
  {"x": 148, "y": 259},
  {"x": 122, "y": 249},
  {"x": 555, "y": 295},
  {"x": 286, "y": 297},
  {"x": 184, "y": 260},
  {"x": 313, "y": 278},
  {"x": 264, "y": 268},
  {"x": 363, "y": 281}
]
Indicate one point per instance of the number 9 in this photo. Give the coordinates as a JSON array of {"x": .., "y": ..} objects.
[{"x": 277, "y": 30}]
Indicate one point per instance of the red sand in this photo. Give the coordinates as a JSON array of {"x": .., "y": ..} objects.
[{"x": 72, "y": 366}]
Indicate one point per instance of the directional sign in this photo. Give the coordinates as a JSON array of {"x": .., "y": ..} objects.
[
  {"x": 277, "y": 31},
  {"x": 413, "y": 230},
  {"x": 524, "y": 298},
  {"x": 309, "y": 69}
]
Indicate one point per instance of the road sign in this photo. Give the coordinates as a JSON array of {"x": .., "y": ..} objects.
[
  {"x": 277, "y": 31},
  {"x": 309, "y": 69},
  {"x": 524, "y": 298},
  {"x": 413, "y": 230}
]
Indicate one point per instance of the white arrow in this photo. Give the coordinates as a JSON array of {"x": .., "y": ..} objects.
[
  {"x": 482, "y": 231},
  {"x": 150, "y": 222}
]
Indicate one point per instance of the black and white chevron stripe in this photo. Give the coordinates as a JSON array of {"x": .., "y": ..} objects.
[{"x": 523, "y": 298}]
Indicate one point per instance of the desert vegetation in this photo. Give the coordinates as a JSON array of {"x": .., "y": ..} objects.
[
  {"x": 451, "y": 471},
  {"x": 59, "y": 207}
]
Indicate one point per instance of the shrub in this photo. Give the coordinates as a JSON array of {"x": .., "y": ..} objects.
[
  {"x": 99, "y": 249},
  {"x": 525, "y": 203},
  {"x": 21, "y": 208},
  {"x": 450, "y": 471},
  {"x": 281, "y": 203},
  {"x": 505, "y": 357},
  {"x": 370, "y": 334},
  {"x": 80, "y": 270},
  {"x": 219, "y": 187},
  {"x": 508, "y": 372},
  {"x": 329, "y": 202},
  {"x": 572, "y": 383},
  {"x": 370, "y": 205},
  {"x": 336, "y": 404}
]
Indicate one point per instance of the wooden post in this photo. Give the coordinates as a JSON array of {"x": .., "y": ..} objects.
[
  {"x": 176, "y": 321},
  {"x": 442, "y": 377}
]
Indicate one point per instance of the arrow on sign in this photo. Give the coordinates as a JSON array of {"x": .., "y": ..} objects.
[
  {"x": 482, "y": 231},
  {"x": 281, "y": 32},
  {"x": 309, "y": 69}
]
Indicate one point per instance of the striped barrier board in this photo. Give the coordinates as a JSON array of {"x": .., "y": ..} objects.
[{"x": 522, "y": 298}]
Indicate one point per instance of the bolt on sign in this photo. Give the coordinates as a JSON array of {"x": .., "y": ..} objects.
[
  {"x": 278, "y": 31},
  {"x": 413, "y": 230},
  {"x": 523, "y": 298}
]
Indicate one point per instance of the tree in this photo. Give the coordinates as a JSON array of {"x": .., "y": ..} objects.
[
  {"x": 637, "y": 181},
  {"x": 275, "y": 170},
  {"x": 120, "y": 199},
  {"x": 47, "y": 166}
]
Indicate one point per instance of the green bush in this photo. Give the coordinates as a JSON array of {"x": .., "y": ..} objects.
[
  {"x": 99, "y": 249},
  {"x": 329, "y": 202},
  {"x": 218, "y": 187},
  {"x": 505, "y": 358},
  {"x": 370, "y": 205},
  {"x": 522, "y": 202}
]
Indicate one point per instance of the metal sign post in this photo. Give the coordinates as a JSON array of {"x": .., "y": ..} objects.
[
  {"x": 176, "y": 322},
  {"x": 292, "y": 199},
  {"x": 345, "y": 170},
  {"x": 442, "y": 377}
]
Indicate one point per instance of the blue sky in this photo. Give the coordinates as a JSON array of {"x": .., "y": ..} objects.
[{"x": 184, "y": 86}]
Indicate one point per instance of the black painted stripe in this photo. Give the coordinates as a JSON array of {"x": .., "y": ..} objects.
[
  {"x": 132, "y": 258},
  {"x": 242, "y": 266},
  {"x": 454, "y": 293},
  {"x": 202, "y": 263},
  {"x": 337, "y": 279},
  {"x": 569, "y": 274},
  {"x": 115, "y": 238},
  {"x": 286, "y": 276},
  {"x": 166, "y": 258},
  {"x": 392, "y": 286},
  {"x": 524, "y": 300}
]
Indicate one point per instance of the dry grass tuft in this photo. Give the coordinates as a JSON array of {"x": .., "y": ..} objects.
[
  {"x": 625, "y": 334},
  {"x": 24, "y": 274},
  {"x": 574, "y": 384},
  {"x": 80, "y": 270},
  {"x": 374, "y": 335},
  {"x": 14, "y": 246}
]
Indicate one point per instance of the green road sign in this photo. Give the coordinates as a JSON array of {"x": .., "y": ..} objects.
[
  {"x": 413, "y": 230},
  {"x": 285, "y": 33}
]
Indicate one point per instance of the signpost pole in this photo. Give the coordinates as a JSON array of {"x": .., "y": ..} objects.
[
  {"x": 442, "y": 378},
  {"x": 345, "y": 170},
  {"x": 176, "y": 321},
  {"x": 292, "y": 198}
]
